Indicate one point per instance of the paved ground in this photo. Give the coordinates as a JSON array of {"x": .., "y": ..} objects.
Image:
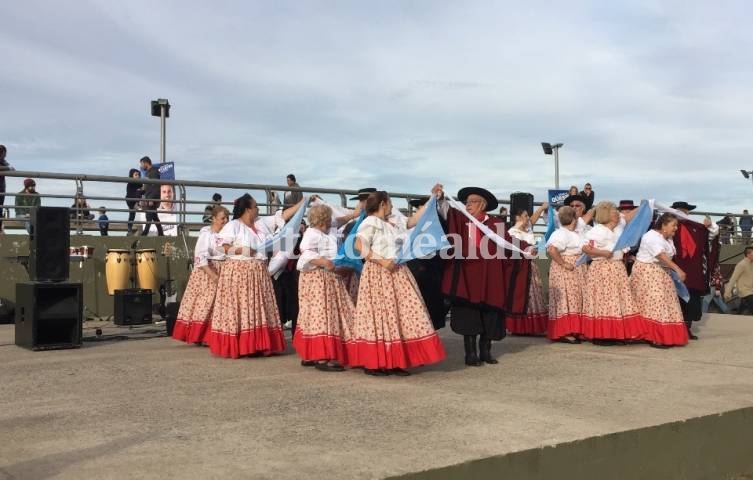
[{"x": 151, "y": 407}]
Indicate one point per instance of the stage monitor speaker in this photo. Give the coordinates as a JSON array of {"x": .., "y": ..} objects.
[
  {"x": 520, "y": 200},
  {"x": 49, "y": 244},
  {"x": 49, "y": 315},
  {"x": 133, "y": 306}
]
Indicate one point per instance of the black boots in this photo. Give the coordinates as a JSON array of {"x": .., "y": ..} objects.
[
  {"x": 471, "y": 357},
  {"x": 485, "y": 349}
]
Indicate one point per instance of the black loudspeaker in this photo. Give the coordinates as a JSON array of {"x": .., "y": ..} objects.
[
  {"x": 133, "y": 306},
  {"x": 49, "y": 244},
  {"x": 520, "y": 200},
  {"x": 49, "y": 315}
]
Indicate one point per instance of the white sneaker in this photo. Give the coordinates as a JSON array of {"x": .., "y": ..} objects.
[{"x": 287, "y": 325}]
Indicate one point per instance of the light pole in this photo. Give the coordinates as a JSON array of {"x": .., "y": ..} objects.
[
  {"x": 161, "y": 108},
  {"x": 548, "y": 149}
]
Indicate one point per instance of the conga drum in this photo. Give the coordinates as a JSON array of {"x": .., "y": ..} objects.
[
  {"x": 117, "y": 270},
  {"x": 146, "y": 266}
]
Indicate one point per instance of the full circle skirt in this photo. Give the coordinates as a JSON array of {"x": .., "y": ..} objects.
[
  {"x": 245, "y": 319},
  {"x": 325, "y": 317},
  {"x": 195, "y": 312},
  {"x": 656, "y": 298},
  {"x": 392, "y": 328}
]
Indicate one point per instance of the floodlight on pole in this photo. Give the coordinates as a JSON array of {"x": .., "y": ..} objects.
[
  {"x": 550, "y": 148},
  {"x": 161, "y": 108},
  {"x": 746, "y": 173}
]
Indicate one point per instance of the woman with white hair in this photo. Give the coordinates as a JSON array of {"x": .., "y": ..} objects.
[{"x": 609, "y": 312}]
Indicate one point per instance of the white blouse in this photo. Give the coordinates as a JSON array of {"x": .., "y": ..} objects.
[
  {"x": 237, "y": 234},
  {"x": 316, "y": 244},
  {"x": 653, "y": 244},
  {"x": 525, "y": 235},
  {"x": 384, "y": 237},
  {"x": 567, "y": 242},
  {"x": 604, "y": 239},
  {"x": 208, "y": 247}
]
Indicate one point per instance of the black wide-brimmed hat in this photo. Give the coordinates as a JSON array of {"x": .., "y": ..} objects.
[
  {"x": 572, "y": 198},
  {"x": 683, "y": 206},
  {"x": 417, "y": 202},
  {"x": 363, "y": 193},
  {"x": 491, "y": 200},
  {"x": 626, "y": 205}
]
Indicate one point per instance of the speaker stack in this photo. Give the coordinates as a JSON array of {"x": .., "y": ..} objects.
[
  {"x": 520, "y": 200},
  {"x": 49, "y": 309}
]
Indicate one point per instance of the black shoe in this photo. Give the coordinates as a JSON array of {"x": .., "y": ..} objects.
[
  {"x": 692, "y": 336},
  {"x": 307, "y": 363},
  {"x": 400, "y": 372},
  {"x": 570, "y": 339},
  {"x": 603, "y": 343},
  {"x": 375, "y": 372},
  {"x": 329, "y": 367},
  {"x": 657, "y": 345},
  {"x": 471, "y": 357},
  {"x": 485, "y": 350}
]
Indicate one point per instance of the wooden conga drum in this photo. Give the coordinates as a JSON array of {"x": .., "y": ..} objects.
[
  {"x": 146, "y": 267},
  {"x": 117, "y": 270}
]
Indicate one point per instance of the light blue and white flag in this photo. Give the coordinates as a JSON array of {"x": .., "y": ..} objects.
[{"x": 426, "y": 237}]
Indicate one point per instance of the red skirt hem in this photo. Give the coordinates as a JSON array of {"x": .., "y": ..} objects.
[
  {"x": 629, "y": 327},
  {"x": 534, "y": 324},
  {"x": 398, "y": 354},
  {"x": 191, "y": 331},
  {"x": 570, "y": 324},
  {"x": 262, "y": 340},
  {"x": 319, "y": 347},
  {"x": 664, "y": 333}
]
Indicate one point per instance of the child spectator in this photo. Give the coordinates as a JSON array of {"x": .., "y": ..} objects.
[{"x": 103, "y": 221}]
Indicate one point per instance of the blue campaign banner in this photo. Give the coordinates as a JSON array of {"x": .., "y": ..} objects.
[
  {"x": 556, "y": 197},
  {"x": 166, "y": 170}
]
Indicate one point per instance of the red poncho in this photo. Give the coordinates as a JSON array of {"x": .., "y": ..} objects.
[{"x": 495, "y": 283}]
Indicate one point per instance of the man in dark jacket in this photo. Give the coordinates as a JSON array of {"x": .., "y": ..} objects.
[{"x": 151, "y": 196}]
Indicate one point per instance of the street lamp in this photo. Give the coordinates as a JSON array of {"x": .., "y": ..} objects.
[
  {"x": 746, "y": 173},
  {"x": 161, "y": 108},
  {"x": 548, "y": 149}
]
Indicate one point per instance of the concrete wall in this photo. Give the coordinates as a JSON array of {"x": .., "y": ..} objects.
[
  {"x": 91, "y": 273},
  {"x": 711, "y": 447}
]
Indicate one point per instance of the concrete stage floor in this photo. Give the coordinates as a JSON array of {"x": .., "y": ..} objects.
[{"x": 151, "y": 407}]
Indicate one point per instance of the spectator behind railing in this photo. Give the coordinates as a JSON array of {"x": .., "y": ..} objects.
[
  {"x": 133, "y": 190},
  {"x": 27, "y": 199},
  {"x": 151, "y": 196},
  {"x": 4, "y": 167},
  {"x": 726, "y": 229},
  {"x": 80, "y": 210},
  {"x": 588, "y": 194},
  {"x": 103, "y": 221},
  {"x": 745, "y": 224}
]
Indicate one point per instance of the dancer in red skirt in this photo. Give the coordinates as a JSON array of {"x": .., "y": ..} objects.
[
  {"x": 534, "y": 321},
  {"x": 609, "y": 312},
  {"x": 392, "y": 329},
  {"x": 653, "y": 289},
  {"x": 566, "y": 281},
  {"x": 325, "y": 308},
  {"x": 195, "y": 313},
  {"x": 245, "y": 319}
]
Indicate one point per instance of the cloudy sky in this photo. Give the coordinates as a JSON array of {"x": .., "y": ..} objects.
[{"x": 651, "y": 99}]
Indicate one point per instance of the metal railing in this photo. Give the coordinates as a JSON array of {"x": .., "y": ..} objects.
[{"x": 187, "y": 217}]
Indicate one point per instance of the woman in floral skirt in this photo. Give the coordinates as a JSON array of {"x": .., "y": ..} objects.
[
  {"x": 653, "y": 289},
  {"x": 325, "y": 307},
  {"x": 195, "y": 311},
  {"x": 245, "y": 319},
  {"x": 392, "y": 329}
]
